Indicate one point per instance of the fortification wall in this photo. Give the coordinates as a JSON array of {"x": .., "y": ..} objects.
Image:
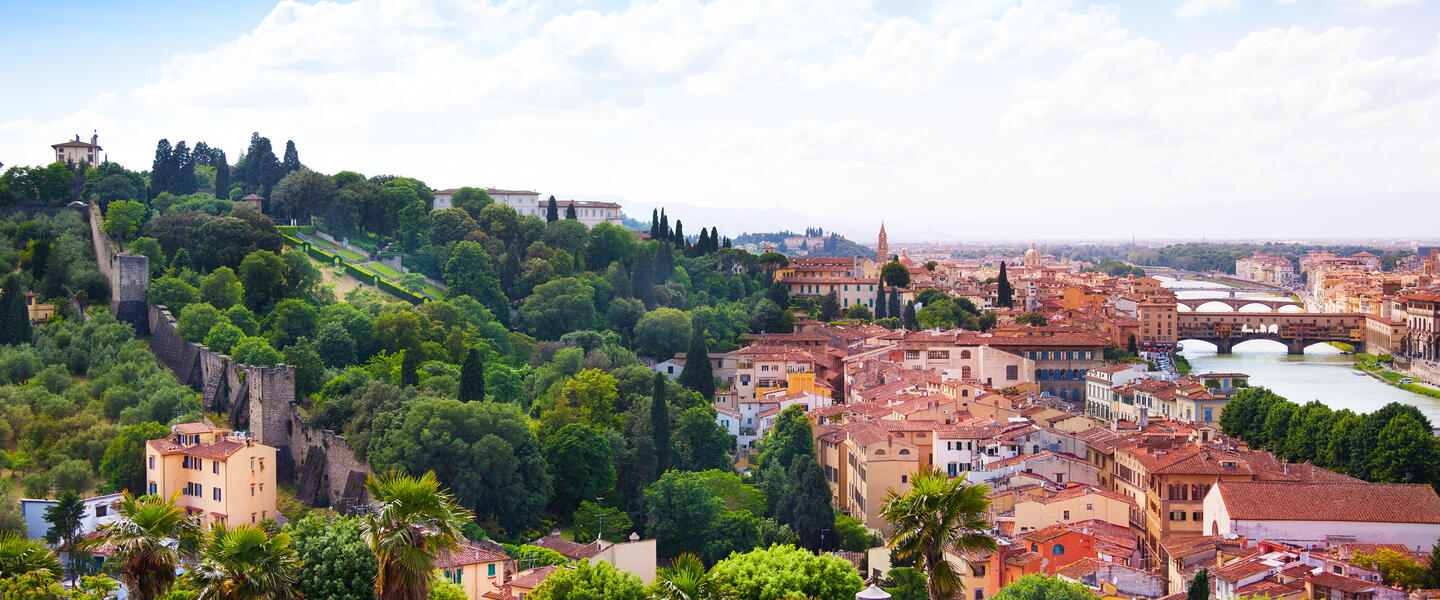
[
  {"x": 128, "y": 274},
  {"x": 261, "y": 400}
]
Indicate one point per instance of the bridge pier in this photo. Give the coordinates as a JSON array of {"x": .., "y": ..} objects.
[
  {"x": 1295, "y": 346},
  {"x": 1223, "y": 345}
]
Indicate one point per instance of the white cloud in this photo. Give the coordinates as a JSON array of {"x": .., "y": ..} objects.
[
  {"x": 821, "y": 105},
  {"x": 1197, "y": 8},
  {"x": 1376, "y": 5}
]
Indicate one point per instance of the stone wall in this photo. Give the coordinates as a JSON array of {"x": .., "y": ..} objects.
[
  {"x": 128, "y": 274},
  {"x": 261, "y": 400}
]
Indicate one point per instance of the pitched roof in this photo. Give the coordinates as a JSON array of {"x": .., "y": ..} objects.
[
  {"x": 1349, "y": 501},
  {"x": 532, "y": 578},
  {"x": 467, "y": 554}
]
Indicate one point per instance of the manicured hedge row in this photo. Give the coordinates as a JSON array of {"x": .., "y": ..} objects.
[{"x": 400, "y": 292}]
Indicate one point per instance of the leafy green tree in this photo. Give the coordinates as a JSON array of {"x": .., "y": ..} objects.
[
  {"x": 472, "y": 377},
  {"x": 14, "y": 316},
  {"x": 150, "y": 248},
  {"x": 246, "y": 563},
  {"x": 1005, "y": 295},
  {"x": 64, "y": 519},
  {"x": 335, "y": 561},
  {"x": 1406, "y": 451},
  {"x": 906, "y": 583},
  {"x": 788, "y": 439},
  {"x": 699, "y": 443},
  {"x": 221, "y": 289},
  {"x": 336, "y": 347},
  {"x": 699, "y": 374},
  {"x": 262, "y": 276},
  {"x": 769, "y": 317},
  {"x": 123, "y": 465},
  {"x": 196, "y": 320},
  {"x": 1199, "y": 587},
  {"x": 579, "y": 463},
  {"x": 302, "y": 194},
  {"x": 590, "y": 581},
  {"x": 680, "y": 510},
  {"x": 937, "y": 514},
  {"x": 291, "y": 320},
  {"x": 173, "y": 293},
  {"x": 685, "y": 579},
  {"x": 484, "y": 451},
  {"x": 662, "y": 333},
  {"x": 660, "y": 421},
  {"x": 223, "y": 337},
  {"x": 1042, "y": 587},
  {"x": 786, "y": 572},
  {"x": 256, "y": 351},
  {"x": 413, "y": 522},
  {"x": 244, "y": 319},
  {"x": 72, "y": 475},
  {"x": 895, "y": 274},
  {"x": 851, "y": 534},
  {"x": 144, "y": 540},
  {"x": 860, "y": 312},
  {"x": 830, "y": 306},
  {"x": 590, "y": 518},
  {"x": 309, "y": 369},
  {"x": 1032, "y": 318},
  {"x": 123, "y": 218},
  {"x": 558, "y": 307},
  {"x": 1432, "y": 571}
]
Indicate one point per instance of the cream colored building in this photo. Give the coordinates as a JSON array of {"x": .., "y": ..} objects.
[
  {"x": 79, "y": 152},
  {"x": 476, "y": 570},
  {"x": 1072, "y": 505},
  {"x": 221, "y": 476}
]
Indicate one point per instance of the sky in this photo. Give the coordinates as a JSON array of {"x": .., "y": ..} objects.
[{"x": 972, "y": 120}]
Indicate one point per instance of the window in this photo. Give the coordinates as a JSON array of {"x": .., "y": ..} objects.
[
  {"x": 215, "y": 494},
  {"x": 1177, "y": 515},
  {"x": 492, "y": 569},
  {"x": 979, "y": 593},
  {"x": 215, "y": 467},
  {"x": 904, "y": 479},
  {"x": 1034, "y": 547},
  {"x": 1012, "y": 372},
  {"x": 1065, "y": 515},
  {"x": 1089, "y": 506},
  {"x": 101, "y": 510},
  {"x": 1197, "y": 516},
  {"x": 252, "y": 489},
  {"x": 152, "y": 488},
  {"x": 152, "y": 462},
  {"x": 1058, "y": 550}
]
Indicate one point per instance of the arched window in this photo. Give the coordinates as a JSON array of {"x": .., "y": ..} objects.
[
  {"x": 964, "y": 354},
  {"x": 879, "y": 453},
  {"x": 904, "y": 452},
  {"x": 965, "y": 372},
  {"x": 1057, "y": 550}
]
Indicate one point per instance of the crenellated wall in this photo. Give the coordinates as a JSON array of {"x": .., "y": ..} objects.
[{"x": 261, "y": 400}]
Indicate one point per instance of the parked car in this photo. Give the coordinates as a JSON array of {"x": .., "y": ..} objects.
[{"x": 1407, "y": 380}]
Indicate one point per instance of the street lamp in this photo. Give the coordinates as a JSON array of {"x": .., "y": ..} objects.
[
  {"x": 599, "y": 517},
  {"x": 822, "y": 539}
]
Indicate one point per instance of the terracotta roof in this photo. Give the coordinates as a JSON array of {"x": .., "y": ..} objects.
[
  {"x": 1080, "y": 568},
  {"x": 467, "y": 554},
  {"x": 559, "y": 544},
  {"x": 1340, "y": 582},
  {"x": 532, "y": 578},
  {"x": 192, "y": 428},
  {"x": 1240, "y": 569},
  {"x": 1360, "y": 501},
  {"x": 217, "y": 451}
]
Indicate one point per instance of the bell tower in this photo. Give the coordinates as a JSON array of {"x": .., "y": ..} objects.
[{"x": 882, "y": 247}]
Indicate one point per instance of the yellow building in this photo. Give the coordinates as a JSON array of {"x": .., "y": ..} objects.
[
  {"x": 221, "y": 476},
  {"x": 79, "y": 152},
  {"x": 476, "y": 570},
  {"x": 1072, "y": 505}
]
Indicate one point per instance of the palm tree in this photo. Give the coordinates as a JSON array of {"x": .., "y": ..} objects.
[
  {"x": 246, "y": 564},
  {"x": 685, "y": 579},
  {"x": 412, "y": 523},
  {"x": 936, "y": 515},
  {"x": 150, "y": 539},
  {"x": 19, "y": 555}
]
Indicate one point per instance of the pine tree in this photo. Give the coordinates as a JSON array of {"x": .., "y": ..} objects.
[
  {"x": 881, "y": 304},
  {"x": 1199, "y": 587},
  {"x": 806, "y": 505},
  {"x": 1005, "y": 292},
  {"x": 291, "y": 162},
  {"x": 698, "y": 374},
  {"x": 182, "y": 171},
  {"x": 160, "y": 169},
  {"x": 660, "y": 423},
  {"x": 909, "y": 317},
  {"x": 472, "y": 377},
  {"x": 14, "y": 316},
  {"x": 1432, "y": 575},
  {"x": 552, "y": 212},
  {"x": 570, "y": 211}
]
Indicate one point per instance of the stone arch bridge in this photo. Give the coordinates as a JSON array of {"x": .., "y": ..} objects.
[
  {"x": 1237, "y": 303},
  {"x": 1295, "y": 330}
]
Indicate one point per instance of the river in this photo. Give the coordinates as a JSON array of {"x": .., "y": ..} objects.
[{"x": 1323, "y": 373}]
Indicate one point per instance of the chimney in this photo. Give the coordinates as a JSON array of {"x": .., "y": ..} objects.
[{"x": 95, "y": 137}]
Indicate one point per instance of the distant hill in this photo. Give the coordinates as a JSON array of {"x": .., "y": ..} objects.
[{"x": 813, "y": 241}]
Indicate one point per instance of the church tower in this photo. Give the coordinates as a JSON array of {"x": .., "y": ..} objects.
[{"x": 882, "y": 248}]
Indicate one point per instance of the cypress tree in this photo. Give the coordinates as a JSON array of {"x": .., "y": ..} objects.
[
  {"x": 160, "y": 169},
  {"x": 570, "y": 211},
  {"x": 660, "y": 423},
  {"x": 806, "y": 506},
  {"x": 510, "y": 269},
  {"x": 679, "y": 234},
  {"x": 1005, "y": 292},
  {"x": 410, "y": 368},
  {"x": 291, "y": 161},
  {"x": 472, "y": 377},
  {"x": 40, "y": 258},
  {"x": 1199, "y": 587},
  {"x": 222, "y": 173},
  {"x": 727, "y": 242},
  {"x": 552, "y": 212},
  {"x": 702, "y": 245},
  {"x": 830, "y": 306},
  {"x": 698, "y": 374},
  {"x": 14, "y": 316},
  {"x": 908, "y": 318},
  {"x": 654, "y": 223},
  {"x": 881, "y": 304},
  {"x": 664, "y": 226},
  {"x": 893, "y": 307}
]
